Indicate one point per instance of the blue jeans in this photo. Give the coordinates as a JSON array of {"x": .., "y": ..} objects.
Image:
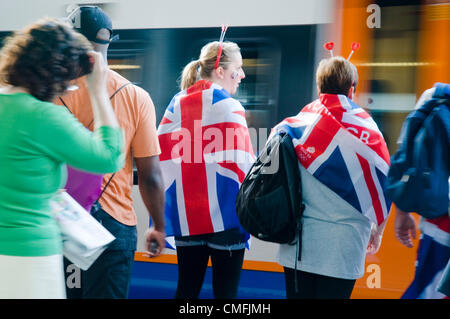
[{"x": 110, "y": 275}]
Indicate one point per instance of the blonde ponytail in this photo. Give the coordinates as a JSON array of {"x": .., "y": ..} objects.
[
  {"x": 204, "y": 66},
  {"x": 190, "y": 74}
]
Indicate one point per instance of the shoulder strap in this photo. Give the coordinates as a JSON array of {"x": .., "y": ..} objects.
[
  {"x": 64, "y": 103},
  {"x": 117, "y": 91},
  {"x": 109, "y": 181},
  {"x": 104, "y": 188},
  {"x": 111, "y": 97}
]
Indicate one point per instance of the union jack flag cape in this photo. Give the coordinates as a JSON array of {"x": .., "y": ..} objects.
[
  {"x": 206, "y": 153},
  {"x": 340, "y": 144}
]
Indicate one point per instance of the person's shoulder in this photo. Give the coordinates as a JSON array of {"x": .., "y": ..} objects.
[
  {"x": 42, "y": 114},
  {"x": 34, "y": 105},
  {"x": 116, "y": 78},
  {"x": 30, "y": 107},
  {"x": 221, "y": 95},
  {"x": 51, "y": 109},
  {"x": 224, "y": 101},
  {"x": 118, "y": 82}
]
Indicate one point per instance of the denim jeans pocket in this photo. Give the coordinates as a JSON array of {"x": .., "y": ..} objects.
[{"x": 126, "y": 236}]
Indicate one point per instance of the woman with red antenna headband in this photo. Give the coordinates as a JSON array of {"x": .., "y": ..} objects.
[
  {"x": 203, "y": 170},
  {"x": 344, "y": 161}
]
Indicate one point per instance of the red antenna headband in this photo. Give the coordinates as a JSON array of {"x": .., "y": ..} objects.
[
  {"x": 330, "y": 45},
  {"x": 355, "y": 46},
  {"x": 219, "y": 52}
]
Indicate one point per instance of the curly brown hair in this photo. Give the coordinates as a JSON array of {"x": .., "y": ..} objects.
[{"x": 44, "y": 57}]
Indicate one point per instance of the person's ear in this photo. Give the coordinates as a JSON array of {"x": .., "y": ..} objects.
[
  {"x": 220, "y": 72},
  {"x": 350, "y": 93}
]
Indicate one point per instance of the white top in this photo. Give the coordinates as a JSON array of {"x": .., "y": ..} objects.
[{"x": 335, "y": 235}]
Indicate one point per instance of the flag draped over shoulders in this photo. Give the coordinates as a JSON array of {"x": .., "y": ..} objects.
[
  {"x": 206, "y": 153},
  {"x": 340, "y": 144},
  {"x": 433, "y": 255}
]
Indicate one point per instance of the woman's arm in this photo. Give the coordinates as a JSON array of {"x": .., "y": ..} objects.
[
  {"x": 376, "y": 235},
  {"x": 61, "y": 136}
]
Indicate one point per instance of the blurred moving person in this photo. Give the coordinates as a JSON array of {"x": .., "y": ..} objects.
[
  {"x": 343, "y": 163},
  {"x": 433, "y": 253},
  {"x": 37, "y": 139},
  {"x": 110, "y": 275},
  {"x": 202, "y": 178}
]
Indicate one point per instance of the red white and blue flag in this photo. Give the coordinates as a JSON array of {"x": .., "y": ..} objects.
[
  {"x": 433, "y": 255},
  {"x": 340, "y": 144},
  {"x": 206, "y": 153}
]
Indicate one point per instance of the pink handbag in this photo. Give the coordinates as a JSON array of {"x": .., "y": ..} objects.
[{"x": 84, "y": 187}]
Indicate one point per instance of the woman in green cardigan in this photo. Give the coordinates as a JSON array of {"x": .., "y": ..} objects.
[{"x": 37, "y": 139}]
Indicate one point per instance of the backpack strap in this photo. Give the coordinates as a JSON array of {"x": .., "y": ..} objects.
[
  {"x": 104, "y": 188},
  {"x": 117, "y": 91},
  {"x": 111, "y": 97},
  {"x": 64, "y": 103},
  {"x": 96, "y": 205}
]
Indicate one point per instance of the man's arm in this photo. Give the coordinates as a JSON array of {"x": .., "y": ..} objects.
[
  {"x": 405, "y": 228},
  {"x": 151, "y": 187}
]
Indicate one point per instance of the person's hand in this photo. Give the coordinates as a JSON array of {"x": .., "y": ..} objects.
[
  {"x": 96, "y": 80},
  {"x": 405, "y": 228},
  {"x": 154, "y": 242},
  {"x": 376, "y": 236}
]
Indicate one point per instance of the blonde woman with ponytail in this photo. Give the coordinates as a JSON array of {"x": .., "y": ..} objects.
[
  {"x": 201, "y": 189},
  {"x": 228, "y": 72}
]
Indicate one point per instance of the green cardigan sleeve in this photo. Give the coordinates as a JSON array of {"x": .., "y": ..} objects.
[{"x": 64, "y": 138}]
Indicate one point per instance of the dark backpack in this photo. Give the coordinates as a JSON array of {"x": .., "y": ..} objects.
[
  {"x": 418, "y": 178},
  {"x": 268, "y": 203}
]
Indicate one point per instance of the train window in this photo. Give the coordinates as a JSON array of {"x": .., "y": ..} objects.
[
  {"x": 258, "y": 91},
  {"x": 394, "y": 50},
  {"x": 130, "y": 68},
  {"x": 126, "y": 57}
]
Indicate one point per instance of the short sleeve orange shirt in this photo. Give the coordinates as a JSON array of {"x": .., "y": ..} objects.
[{"x": 136, "y": 115}]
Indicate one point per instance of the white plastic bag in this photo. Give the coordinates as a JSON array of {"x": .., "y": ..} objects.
[{"x": 84, "y": 238}]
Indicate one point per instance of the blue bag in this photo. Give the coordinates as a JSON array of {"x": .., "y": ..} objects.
[{"x": 418, "y": 179}]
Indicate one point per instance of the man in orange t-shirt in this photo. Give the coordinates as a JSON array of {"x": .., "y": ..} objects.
[{"x": 110, "y": 275}]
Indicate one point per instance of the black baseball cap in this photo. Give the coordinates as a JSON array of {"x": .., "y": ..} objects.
[{"x": 92, "y": 19}]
